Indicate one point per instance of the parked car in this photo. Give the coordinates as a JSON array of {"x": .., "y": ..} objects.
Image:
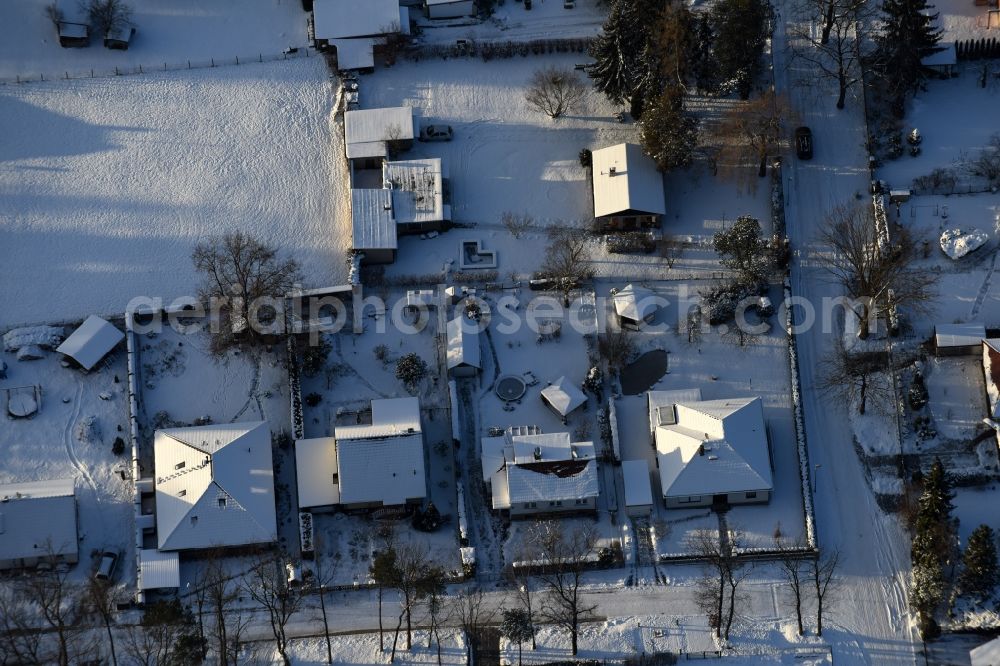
[
  {"x": 109, "y": 562},
  {"x": 436, "y": 133},
  {"x": 804, "y": 143}
]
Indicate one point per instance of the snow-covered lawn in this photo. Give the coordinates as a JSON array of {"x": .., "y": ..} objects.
[
  {"x": 49, "y": 446},
  {"x": 107, "y": 184},
  {"x": 174, "y": 32}
]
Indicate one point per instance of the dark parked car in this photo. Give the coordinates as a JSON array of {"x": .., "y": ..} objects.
[
  {"x": 804, "y": 143},
  {"x": 436, "y": 133},
  {"x": 109, "y": 562}
]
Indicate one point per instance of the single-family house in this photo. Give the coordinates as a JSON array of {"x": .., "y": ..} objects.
[
  {"x": 563, "y": 397},
  {"x": 628, "y": 188},
  {"x": 38, "y": 523},
  {"x": 635, "y": 306},
  {"x": 462, "y": 354},
  {"x": 92, "y": 341},
  {"x": 373, "y": 227},
  {"x": 710, "y": 451},
  {"x": 316, "y": 473},
  {"x": 638, "y": 488},
  {"x": 381, "y": 464},
  {"x": 958, "y": 339},
  {"x": 439, "y": 9},
  {"x": 418, "y": 194},
  {"x": 540, "y": 473},
  {"x": 355, "y": 29},
  {"x": 370, "y": 135},
  {"x": 214, "y": 486}
]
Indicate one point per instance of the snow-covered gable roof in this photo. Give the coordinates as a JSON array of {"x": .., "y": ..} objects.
[
  {"x": 373, "y": 226},
  {"x": 987, "y": 654},
  {"x": 214, "y": 486},
  {"x": 715, "y": 447},
  {"x": 991, "y": 372},
  {"x": 463, "y": 343},
  {"x": 337, "y": 19},
  {"x": 563, "y": 396},
  {"x": 315, "y": 467},
  {"x": 355, "y": 53},
  {"x": 383, "y": 462},
  {"x": 417, "y": 190},
  {"x": 367, "y": 130},
  {"x": 959, "y": 335},
  {"x": 948, "y": 55},
  {"x": 37, "y": 519},
  {"x": 91, "y": 342},
  {"x": 625, "y": 179},
  {"x": 548, "y": 447},
  {"x": 635, "y": 303},
  {"x": 550, "y": 481},
  {"x": 638, "y": 490},
  {"x": 495, "y": 452},
  {"x": 158, "y": 570}
]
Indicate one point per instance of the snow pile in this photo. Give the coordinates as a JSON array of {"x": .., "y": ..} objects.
[
  {"x": 957, "y": 243},
  {"x": 47, "y": 337}
]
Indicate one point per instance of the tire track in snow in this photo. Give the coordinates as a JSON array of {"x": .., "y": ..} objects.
[{"x": 69, "y": 439}]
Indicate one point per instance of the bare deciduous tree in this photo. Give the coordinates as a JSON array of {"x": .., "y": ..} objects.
[
  {"x": 555, "y": 91},
  {"x": 564, "y": 556},
  {"x": 324, "y": 577},
  {"x": 722, "y": 582},
  {"x": 412, "y": 576},
  {"x": 107, "y": 16},
  {"x": 517, "y": 224},
  {"x": 54, "y": 14},
  {"x": 824, "y": 570},
  {"x": 472, "y": 611},
  {"x": 749, "y": 133},
  {"x": 19, "y": 639},
  {"x": 102, "y": 598},
  {"x": 835, "y": 53},
  {"x": 985, "y": 163},
  {"x": 165, "y": 637},
  {"x": 793, "y": 570},
  {"x": 871, "y": 267},
  {"x": 616, "y": 347},
  {"x": 520, "y": 579},
  {"x": 229, "y": 621},
  {"x": 247, "y": 280},
  {"x": 267, "y": 585},
  {"x": 567, "y": 259},
  {"x": 863, "y": 376}
]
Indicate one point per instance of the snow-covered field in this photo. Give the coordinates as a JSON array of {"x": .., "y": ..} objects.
[
  {"x": 173, "y": 32},
  {"x": 106, "y": 185},
  {"x": 49, "y": 446}
]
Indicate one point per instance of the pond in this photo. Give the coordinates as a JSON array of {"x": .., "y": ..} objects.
[{"x": 640, "y": 375}]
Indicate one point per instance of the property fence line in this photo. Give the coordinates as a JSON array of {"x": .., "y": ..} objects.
[
  {"x": 489, "y": 50},
  {"x": 133, "y": 70}
]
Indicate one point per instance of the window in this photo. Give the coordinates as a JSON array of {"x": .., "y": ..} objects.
[
  {"x": 581, "y": 501},
  {"x": 530, "y": 505},
  {"x": 691, "y": 499},
  {"x": 336, "y": 478},
  {"x": 558, "y": 502},
  {"x": 222, "y": 502},
  {"x": 182, "y": 492},
  {"x": 194, "y": 520},
  {"x": 179, "y": 465},
  {"x": 751, "y": 495}
]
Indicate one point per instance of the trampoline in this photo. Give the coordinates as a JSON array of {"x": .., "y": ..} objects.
[{"x": 510, "y": 388}]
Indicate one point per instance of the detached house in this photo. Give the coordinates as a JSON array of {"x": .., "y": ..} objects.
[
  {"x": 531, "y": 473},
  {"x": 710, "y": 451},
  {"x": 628, "y": 189}
]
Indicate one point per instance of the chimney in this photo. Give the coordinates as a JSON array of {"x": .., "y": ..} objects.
[
  {"x": 538, "y": 453},
  {"x": 611, "y": 171},
  {"x": 701, "y": 450}
]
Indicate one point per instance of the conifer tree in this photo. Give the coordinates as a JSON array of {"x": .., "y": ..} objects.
[
  {"x": 618, "y": 51},
  {"x": 740, "y": 28},
  {"x": 932, "y": 547},
  {"x": 908, "y": 35},
  {"x": 669, "y": 134},
  {"x": 979, "y": 564}
]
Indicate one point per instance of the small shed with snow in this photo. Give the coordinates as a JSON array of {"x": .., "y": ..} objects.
[
  {"x": 367, "y": 132},
  {"x": 373, "y": 227},
  {"x": 943, "y": 61},
  {"x": 439, "y": 9},
  {"x": 563, "y": 397},
  {"x": 635, "y": 306},
  {"x": 463, "y": 347},
  {"x": 38, "y": 522},
  {"x": 638, "y": 489},
  {"x": 628, "y": 188},
  {"x": 381, "y": 464},
  {"x": 92, "y": 341},
  {"x": 316, "y": 472},
  {"x": 158, "y": 570},
  {"x": 958, "y": 339}
]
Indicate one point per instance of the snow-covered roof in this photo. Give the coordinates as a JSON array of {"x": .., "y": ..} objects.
[
  {"x": 548, "y": 447},
  {"x": 73, "y": 30},
  {"x": 563, "y": 396},
  {"x": 37, "y": 519},
  {"x": 336, "y": 19},
  {"x": 417, "y": 190},
  {"x": 355, "y": 53},
  {"x": 315, "y": 469},
  {"x": 987, "y": 654},
  {"x": 959, "y": 335},
  {"x": 635, "y": 303},
  {"x": 495, "y": 452},
  {"x": 991, "y": 372},
  {"x": 625, "y": 179},
  {"x": 367, "y": 130},
  {"x": 158, "y": 570},
  {"x": 91, "y": 342},
  {"x": 638, "y": 490},
  {"x": 373, "y": 226},
  {"x": 946, "y": 56},
  {"x": 463, "y": 343},
  {"x": 547, "y": 482},
  {"x": 714, "y": 447},
  {"x": 383, "y": 462},
  {"x": 214, "y": 486}
]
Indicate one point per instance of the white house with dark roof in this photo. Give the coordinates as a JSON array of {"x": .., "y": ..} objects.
[
  {"x": 214, "y": 486},
  {"x": 38, "y": 521},
  {"x": 710, "y": 451},
  {"x": 539, "y": 473},
  {"x": 381, "y": 464},
  {"x": 628, "y": 188}
]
